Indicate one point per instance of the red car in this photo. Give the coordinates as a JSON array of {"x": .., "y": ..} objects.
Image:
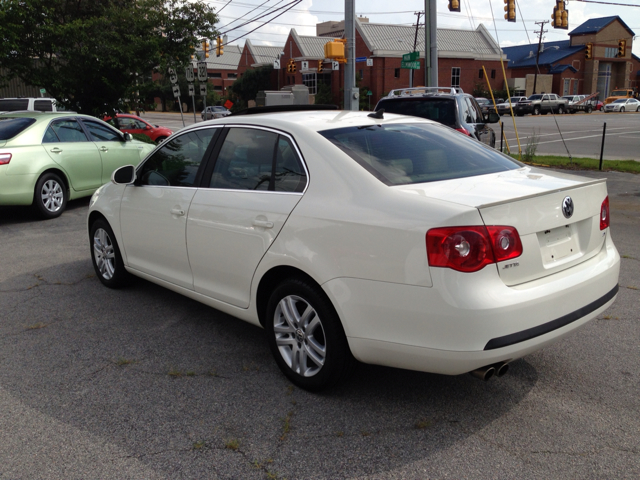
[{"x": 133, "y": 124}]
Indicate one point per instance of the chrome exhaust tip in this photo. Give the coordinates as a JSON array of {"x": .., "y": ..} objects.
[
  {"x": 501, "y": 369},
  {"x": 484, "y": 373}
]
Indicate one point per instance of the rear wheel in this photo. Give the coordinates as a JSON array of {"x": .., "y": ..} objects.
[
  {"x": 589, "y": 109},
  {"x": 536, "y": 110},
  {"x": 560, "y": 110},
  {"x": 50, "y": 196},
  {"x": 106, "y": 257},
  {"x": 621, "y": 109},
  {"x": 160, "y": 139},
  {"x": 306, "y": 336}
]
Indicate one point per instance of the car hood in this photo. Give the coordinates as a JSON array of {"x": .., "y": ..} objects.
[{"x": 495, "y": 188}]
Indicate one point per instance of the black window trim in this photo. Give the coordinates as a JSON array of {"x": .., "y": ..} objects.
[
  {"x": 87, "y": 132},
  {"x": 214, "y": 158},
  {"x": 64, "y": 119}
]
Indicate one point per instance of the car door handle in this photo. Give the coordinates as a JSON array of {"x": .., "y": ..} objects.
[
  {"x": 56, "y": 150},
  {"x": 262, "y": 223},
  {"x": 104, "y": 149},
  {"x": 177, "y": 211}
]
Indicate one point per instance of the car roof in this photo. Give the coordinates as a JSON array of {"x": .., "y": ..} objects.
[
  {"x": 316, "y": 120},
  {"x": 47, "y": 115}
]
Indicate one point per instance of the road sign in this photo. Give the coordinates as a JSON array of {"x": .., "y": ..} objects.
[
  {"x": 369, "y": 93},
  {"x": 335, "y": 65},
  {"x": 276, "y": 64},
  {"x": 361, "y": 59},
  {"x": 202, "y": 71},
  {"x": 369, "y": 62},
  {"x": 410, "y": 65},
  {"x": 304, "y": 65},
  {"x": 176, "y": 91},
  {"x": 42, "y": 91},
  {"x": 188, "y": 72},
  {"x": 228, "y": 104},
  {"x": 173, "y": 78},
  {"x": 203, "y": 89},
  {"x": 192, "y": 90},
  {"x": 410, "y": 57}
]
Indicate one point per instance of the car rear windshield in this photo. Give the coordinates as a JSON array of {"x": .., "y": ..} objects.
[
  {"x": 441, "y": 110},
  {"x": 10, "y": 127},
  {"x": 403, "y": 154},
  {"x": 13, "y": 104}
]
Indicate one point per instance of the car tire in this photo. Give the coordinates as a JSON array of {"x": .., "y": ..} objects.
[
  {"x": 106, "y": 257},
  {"x": 560, "y": 110},
  {"x": 536, "y": 110},
  {"x": 638, "y": 109},
  {"x": 50, "y": 196},
  {"x": 160, "y": 139},
  {"x": 621, "y": 109},
  {"x": 589, "y": 109},
  {"x": 306, "y": 337}
]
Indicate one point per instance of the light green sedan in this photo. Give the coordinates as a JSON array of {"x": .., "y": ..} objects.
[{"x": 47, "y": 159}]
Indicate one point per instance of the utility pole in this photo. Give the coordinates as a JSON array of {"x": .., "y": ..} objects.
[
  {"x": 351, "y": 93},
  {"x": 535, "y": 75},
  {"x": 430, "y": 43},
  {"x": 415, "y": 43}
]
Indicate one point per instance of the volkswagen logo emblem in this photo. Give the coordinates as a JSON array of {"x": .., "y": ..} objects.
[{"x": 567, "y": 207}]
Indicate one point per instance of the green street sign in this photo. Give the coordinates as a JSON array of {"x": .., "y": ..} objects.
[
  {"x": 410, "y": 57},
  {"x": 410, "y": 65},
  {"x": 369, "y": 93}
]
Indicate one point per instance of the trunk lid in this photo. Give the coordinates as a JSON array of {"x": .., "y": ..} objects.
[{"x": 532, "y": 201}]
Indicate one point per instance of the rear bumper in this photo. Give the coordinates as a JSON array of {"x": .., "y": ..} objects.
[
  {"x": 468, "y": 321},
  {"x": 16, "y": 189}
]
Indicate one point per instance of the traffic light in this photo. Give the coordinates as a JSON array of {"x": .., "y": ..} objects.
[
  {"x": 320, "y": 66},
  {"x": 219, "y": 46},
  {"x": 560, "y": 17},
  {"x": 622, "y": 48},
  {"x": 588, "y": 53},
  {"x": 454, "y": 5},
  {"x": 510, "y": 9},
  {"x": 291, "y": 66},
  {"x": 205, "y": 48}
]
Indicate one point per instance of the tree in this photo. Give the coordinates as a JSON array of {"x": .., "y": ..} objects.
[
  {"x": 247, "y": 87},
  {"x": 93, "y": 55}
]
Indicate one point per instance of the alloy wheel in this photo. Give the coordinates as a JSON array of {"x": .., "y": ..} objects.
[
  {"x": 52, "y": 195},
  {"x": 104, "y": 254}
]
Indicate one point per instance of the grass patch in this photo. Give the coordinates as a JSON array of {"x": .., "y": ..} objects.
[
  {"x": 232, "y": 444},
  {"x": 626, "y": 166},
  {"x": 422, "y": 424},
  {"x": 124, "y": 361},
  {"x": 286, "y": 428},
  {"x": 198, "y": 445},
  {"x": 37, "y": 326}
]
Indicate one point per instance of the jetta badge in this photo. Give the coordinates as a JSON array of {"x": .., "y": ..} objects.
[{"x": 567, "y": 207}]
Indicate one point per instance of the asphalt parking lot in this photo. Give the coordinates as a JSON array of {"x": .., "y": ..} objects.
[{"x": 144, "y": 383}]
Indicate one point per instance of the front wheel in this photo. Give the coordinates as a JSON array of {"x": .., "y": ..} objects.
[
  {"x": 589, "y": 109},
  {"x": 306, "y": 336},
  {"x": 536, "y": 111},
  {"x": 50, "y": 196},
  {"x": 560, "y": 110},
  {"x": 106, "y": 257},
  {"x": 159, "y": 140},
  {"x": 621, "y": 109}
]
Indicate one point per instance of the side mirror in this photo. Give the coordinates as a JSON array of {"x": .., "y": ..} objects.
[
  {"x": 492, "y": 117},
  {"x": 128, "y": 137},
  {"x": 147, "y": 127},
  {"x": 124, "y": 175}
]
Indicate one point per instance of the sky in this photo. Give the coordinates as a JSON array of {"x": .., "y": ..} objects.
[{"x": 304, "y": 16}]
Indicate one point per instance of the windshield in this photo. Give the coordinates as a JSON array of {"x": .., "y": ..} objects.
[
  {"x": 619, "y": 93},
  {"x": 482, "y": 101},
  {"x": 416, "y": 153},
  {"x": 10, "y": 127},
  {"x": 621, "y": 100}
]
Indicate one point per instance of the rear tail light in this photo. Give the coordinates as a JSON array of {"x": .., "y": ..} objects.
[
  {"x": 604, "y": 214},
  {"x": 5, "y": 158},
  {"x": 469, "y": 249},
  {"x": 464, "y": 130}
]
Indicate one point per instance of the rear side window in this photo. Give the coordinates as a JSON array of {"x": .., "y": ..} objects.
[
  {"x": 65, "y": 131},
  {"x": 441, "y": 110},
  {"x": 416, "y": 153},
  {"x": 10, "y": 127},
  {"x": 43, "y": 105},
  {"x": 177, "y": 162},
  {"x": 14, "y": 104}
]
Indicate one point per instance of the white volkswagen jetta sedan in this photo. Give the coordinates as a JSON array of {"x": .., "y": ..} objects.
[{"x": 389, "y": 239}]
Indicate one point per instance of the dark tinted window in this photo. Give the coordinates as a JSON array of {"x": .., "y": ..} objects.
[
  {"x": 13, "y": 104},
  {"x": 441, "y": 110},
  {"x": 289, "y": 176},
  {"x": 101, "y": 133},
  {"x": 43, "y": 105},
  {"x": 10, "y": 127},
  {"x": 416, "y": 153},
  {"x": 177, "y": 162},
  {"x": 475, "y": 114},
  {"x": 66, "y": 131}
]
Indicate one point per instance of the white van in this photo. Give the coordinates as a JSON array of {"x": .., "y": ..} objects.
[{"x": 38, "y": 104}]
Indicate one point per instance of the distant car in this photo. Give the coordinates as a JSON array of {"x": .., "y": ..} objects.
[
  {"x": 385, "y": 238},
  {"x": 618, "y": 95},
  {"x": 215, "y": 111},
  {"x": 485, "y": 104},
  {"x": 47, "y": 159},
  {"x": 573, "y": 98},
  {"x": 503, "y": 108},
  {"x": 623, "y": 105},
  {"x": 129, "y": 123},
  {"x": 30, "y": 104},
  {"x": 446, "y": 105}
]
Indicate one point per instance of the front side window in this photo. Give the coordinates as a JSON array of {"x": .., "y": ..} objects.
[
  {"x": 101, "y": 133},
  {"x": 455, "y": 77},
  {"x": 254, "y": 159},
  {"x": 65, "y": 131},
  {"x": 176, "y": 164},
  {"x": 417, "y": 153}
]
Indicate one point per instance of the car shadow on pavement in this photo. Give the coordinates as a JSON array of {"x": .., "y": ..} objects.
[
  {"x": 23, "y": 214},
  {"x": 194, "y": 393}
]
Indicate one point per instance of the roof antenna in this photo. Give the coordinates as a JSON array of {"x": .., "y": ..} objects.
[{"x": 377, "y": 114}]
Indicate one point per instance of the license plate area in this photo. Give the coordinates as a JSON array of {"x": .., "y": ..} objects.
[{"x": 558, "y": 245}]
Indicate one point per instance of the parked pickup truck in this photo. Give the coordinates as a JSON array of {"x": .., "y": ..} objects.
[{"x": 541, "y": 103}]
